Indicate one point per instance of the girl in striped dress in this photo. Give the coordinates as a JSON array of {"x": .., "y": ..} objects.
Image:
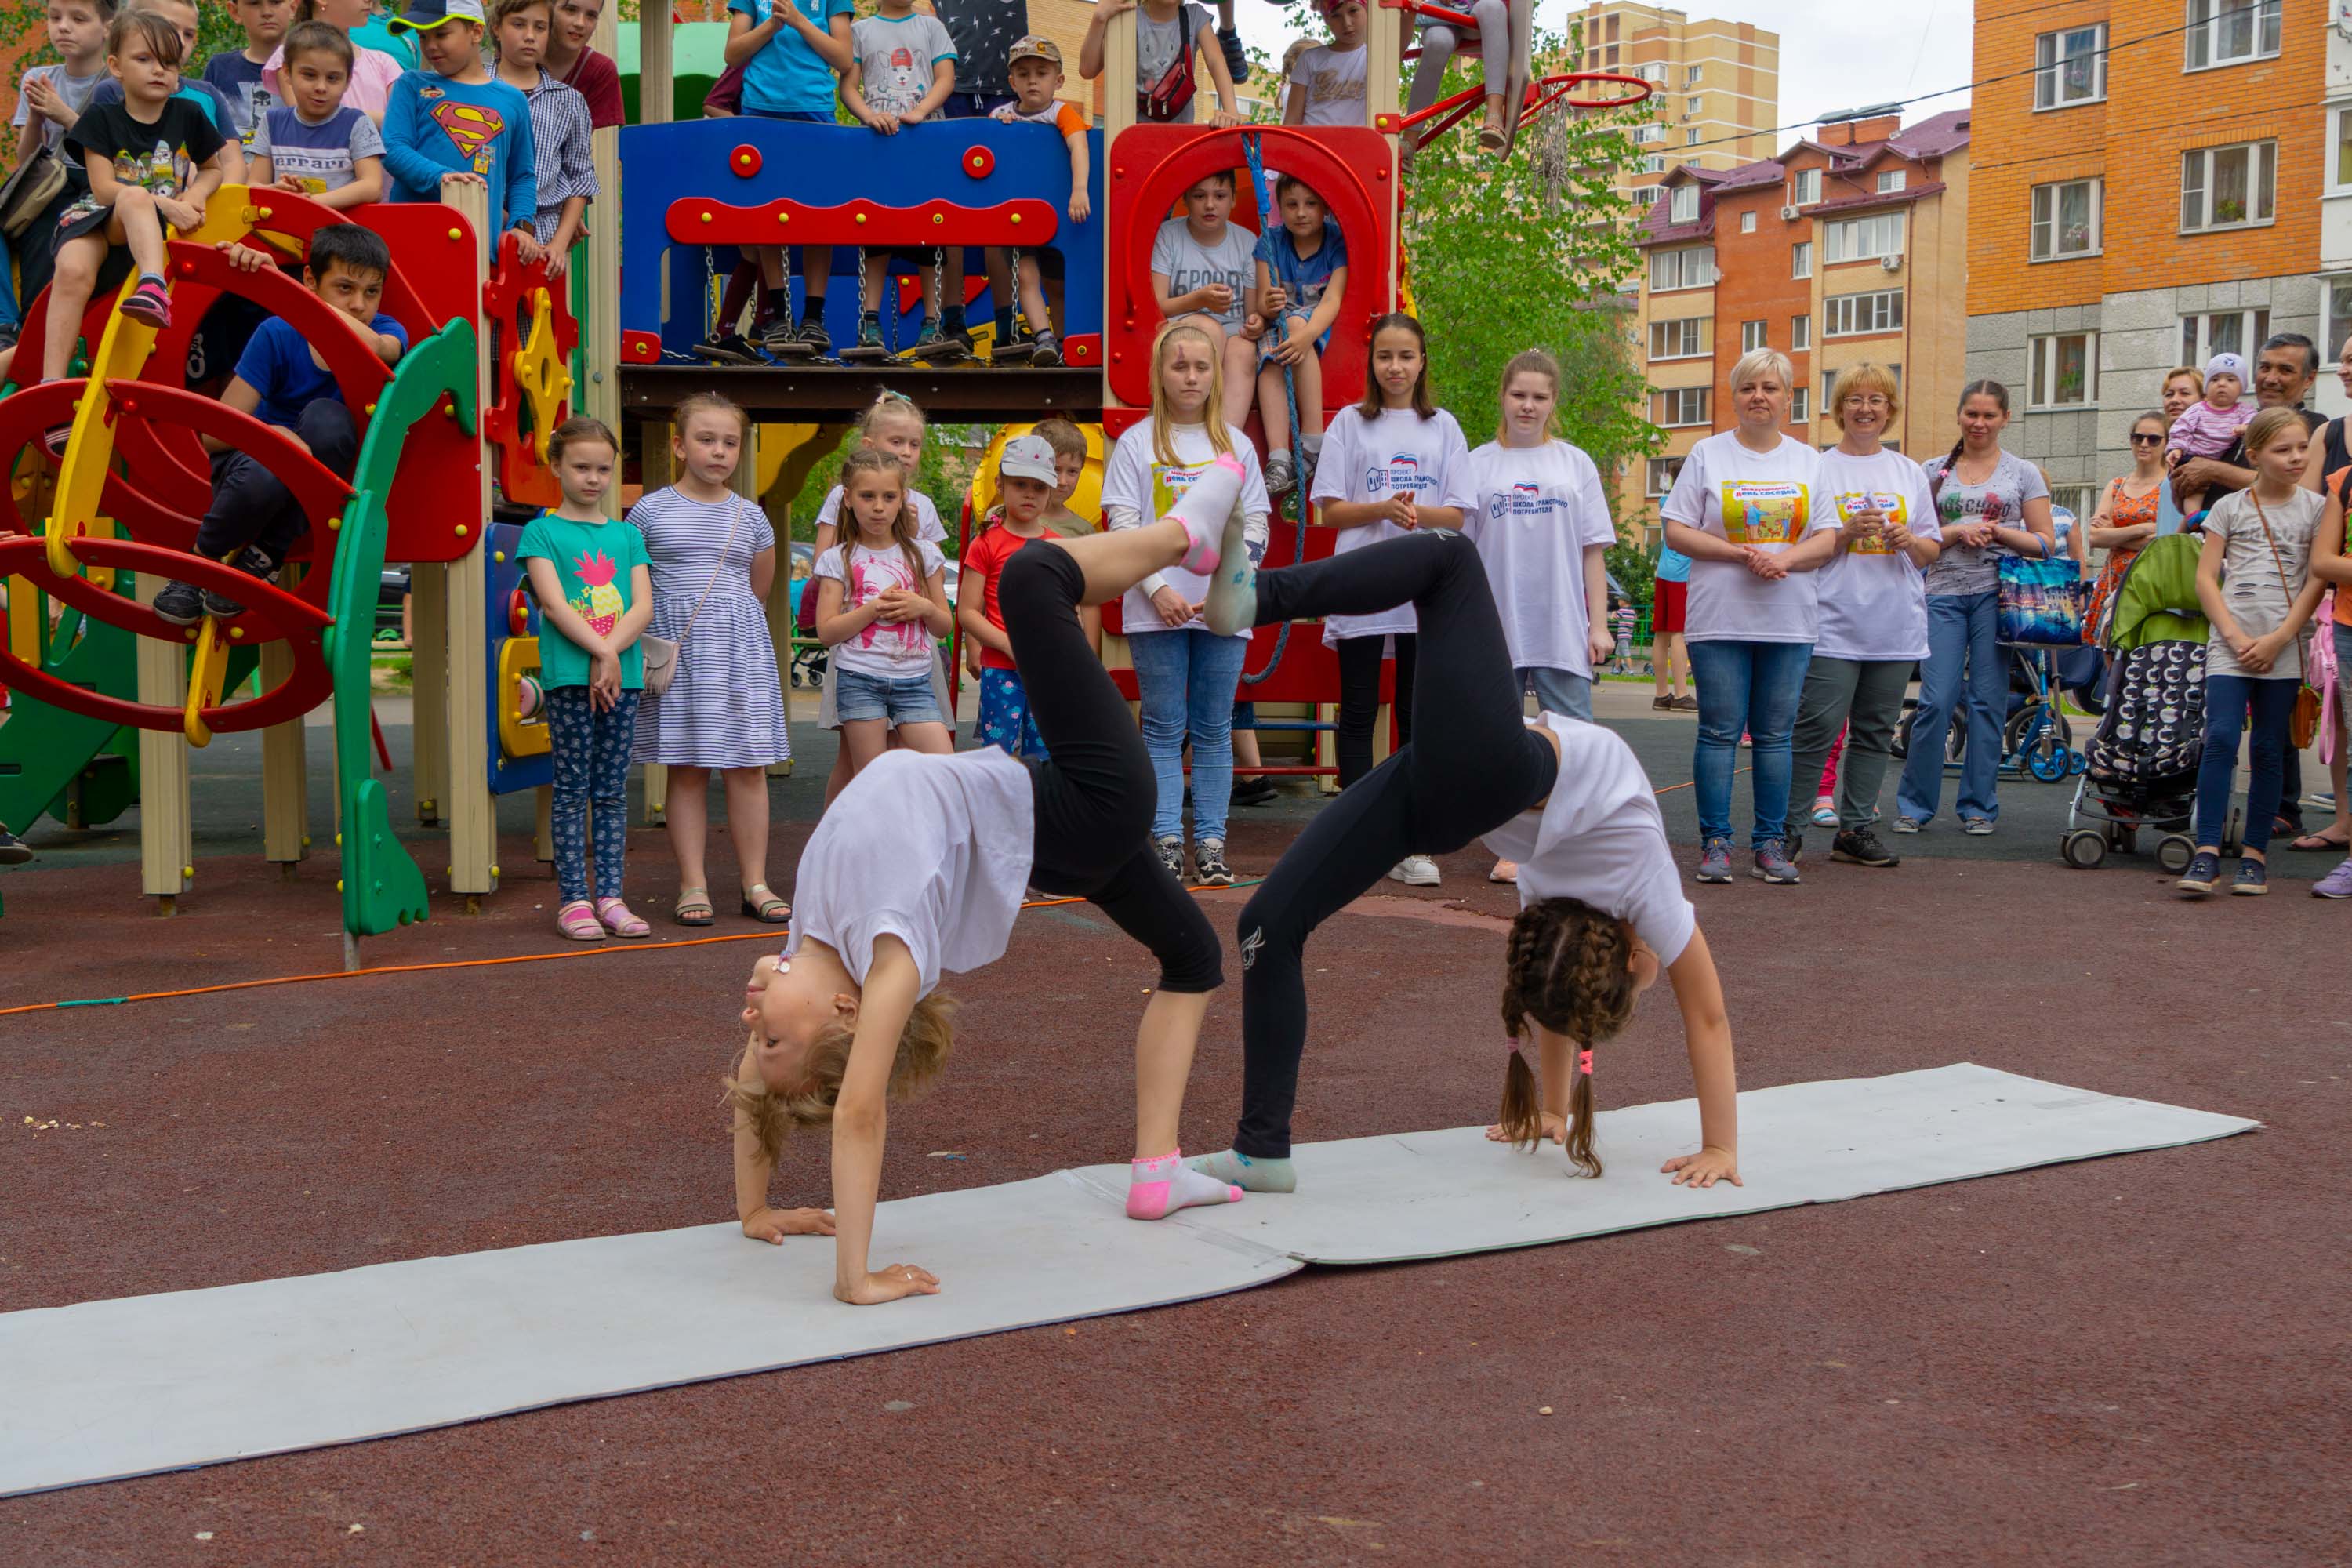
[{"x": 714, "y": 560}]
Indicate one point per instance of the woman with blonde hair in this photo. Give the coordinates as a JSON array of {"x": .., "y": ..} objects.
[{"x": 1746, "y": 509}]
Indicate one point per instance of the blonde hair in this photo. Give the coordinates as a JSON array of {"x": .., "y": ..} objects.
[
  {"x": 695, "y": 403},
  {"x": 1213, "y": 413},
  {"x": 1526, "y": 361},
  {"x": 889, "y": 404},
  {"x": 1567, "y": 967},
  {"x": 2268, "y": 426},
  {"x": 923, "y": 1046},
  {"x": 1761, "y": 362},
  {"x": 2196, "y": 377},
  {"x": 1866, "y": 378}
]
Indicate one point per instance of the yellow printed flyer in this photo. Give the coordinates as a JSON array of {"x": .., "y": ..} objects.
[{"x": 1764, "y": 512}]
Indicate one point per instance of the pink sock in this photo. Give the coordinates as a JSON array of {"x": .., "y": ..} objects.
[{"x": 1157, "y": 1188}]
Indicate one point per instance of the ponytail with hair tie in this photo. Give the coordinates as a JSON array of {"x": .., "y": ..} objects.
[{"x": 1567, "y": 968}]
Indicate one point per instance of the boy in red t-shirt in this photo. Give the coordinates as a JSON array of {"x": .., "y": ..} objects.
[{"x": 1026, "y": 482}]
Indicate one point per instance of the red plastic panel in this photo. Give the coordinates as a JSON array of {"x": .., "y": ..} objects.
[
  {"x": 439, "y": 487},
  {"x": 697, "y": 220}
]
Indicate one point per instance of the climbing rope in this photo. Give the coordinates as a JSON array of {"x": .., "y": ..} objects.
[{"x": 1254, "y": 150}]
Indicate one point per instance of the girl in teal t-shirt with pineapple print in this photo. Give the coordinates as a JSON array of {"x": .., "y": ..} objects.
[{"x": 595, "y": 593}]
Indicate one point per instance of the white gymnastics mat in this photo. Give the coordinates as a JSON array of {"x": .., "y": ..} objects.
[{"x": 105, "y": 1390}]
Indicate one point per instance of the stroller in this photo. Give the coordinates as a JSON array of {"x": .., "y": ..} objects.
[{"x": 2143, "y": 760}]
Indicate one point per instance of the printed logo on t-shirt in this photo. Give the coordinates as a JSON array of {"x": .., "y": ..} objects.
[
  {"x": 1168, "y": 483},
  {"x": 1402, "y": 473},
  {"x": 1525, "y": 501},
  {"x": 1888, "y": 502},
  {"x": 163, "y": 170},
  {"x": 1764, "y": 512},
  {"x": 473, "y": 127},
  {"x": 872, "y": 575}
]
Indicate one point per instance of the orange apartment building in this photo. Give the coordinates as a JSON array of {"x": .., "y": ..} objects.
[
  {"x": 1849, "y": 246},
  {"x": 2150, "y": 181},
  {"x": 1715, "y": 87}
]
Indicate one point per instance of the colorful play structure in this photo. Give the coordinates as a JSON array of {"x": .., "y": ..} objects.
[{"x": 107, "y": 701}]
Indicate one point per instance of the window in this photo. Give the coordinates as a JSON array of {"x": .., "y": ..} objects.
[
  {"x": 1644, "y": 135},
  {"x": 1661, "y": 476},
  {"x": 1690, "y": 137},
  {"x": 1691, "y": 75},
  {"x": 2062, "y": 370},
  {"x": 2339, "y": 166},
  {"x": 1681, "y": 405},
  {"x": 2336, "y": 325},
  {"x": 1609, "y": 57},
  {"x": 1648, "y": 196},
  {"x": 1748, "y": 223},
  {"x": 1800, "y": 333},
  {"x": 1829, "y": 389},
  {"x": 2227, "y": 32},
  {"x": 2223, "y": 332},
  {"x": 1798, "y": 413},
  {"x": 1693, "y": 107},
  {"x": 2066, "y": 219},
  {"x": 2228, "y": 188},
  {"x": 1848, "y": 315},
  {"x": 1654, "y": 164},
  {"x": 1859, "y": 238},
  {"x": 1753, "y": 336},
  {"x": 2079, "y": 500},
  {"x": 1685, "y": 204},
  {"x": 1892, "y": 180},
  {"x": 2070, "y": 67},
  {"x": 1800, "y": 259},
  {"x": 1685, "y": 339},
  {"x": 1691, "y": 267},
  {"x": 1805, "y": 189},
  {"x": 1653, "y": 73}
]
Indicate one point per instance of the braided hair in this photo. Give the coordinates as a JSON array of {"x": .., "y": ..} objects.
[{"x": 1568, "y": 969}]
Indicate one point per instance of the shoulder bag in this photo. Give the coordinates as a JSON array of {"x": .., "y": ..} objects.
[
  {"x": 29, "y": 190},
  {"x": 1164, "y": 100},
  {"x": 662, "y": 655},
  {"x": 2303, "y": 724}
]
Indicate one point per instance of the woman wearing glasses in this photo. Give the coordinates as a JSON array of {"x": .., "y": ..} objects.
[
  {"x": 2126, "y": 517},
  {"x": 1873, "y": 614}
]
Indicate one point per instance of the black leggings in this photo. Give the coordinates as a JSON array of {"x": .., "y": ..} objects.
[
  {"x": 1472, "y": 765},
  {"x": 1360, "y": 700},
  {"x": 1095, "y": 797}
]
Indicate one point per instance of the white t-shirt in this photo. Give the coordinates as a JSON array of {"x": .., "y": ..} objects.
[
  {"x": 1333, "y": 80},
  {"x": 1600, "y": 839},
  {"x": 894, "y": 650},
  {"x": 1187, "y": 264},
  {"x": 2258, "y": 587},
  {"x": 1142, "y": 490},
  {"x": 1873, "y": 600},
  {"x": 927, "y": 526},
  {"x": 934, "y": 850},
  {"x": 1533, "y": 512},
  {"x": 75, "y": 90},
  {"x": 1368, "y": 460},
  {"x": 897, "y": 57},
  {"x": 1767, "y": 499}
]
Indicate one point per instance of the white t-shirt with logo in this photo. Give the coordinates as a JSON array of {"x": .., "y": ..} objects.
[
  {"x": 894, "y": 650},
  {"x": 897, "y": 57},
  {"x": 1187, "y": 264},
  {"x": 934, "y": 850},
  {"x": 927, "y": 526},
  {"x": 1600, "y": 839},
  {"x": 1770, "y": 499},
  {"x": 1140, "y": 487},
  {"x": 1873, "y": 600},
  {"x": 1369, "y": 461},
  {"x": 1333, "y": 80},
  {"x": 1533, "y": 512}
]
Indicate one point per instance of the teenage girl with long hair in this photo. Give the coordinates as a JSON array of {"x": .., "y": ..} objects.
[{"x": 1602, "y": 909}]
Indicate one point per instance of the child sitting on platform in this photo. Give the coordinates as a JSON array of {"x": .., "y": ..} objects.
[
  {"x": 1201, "y": 268},
  {"x": 49, "y": 99},
  {"x": 452, "y": 123},
  {"x": 1302, "y": 272},
  {"x": 1036, "y": 72},
  {"x": 253, "y": 523},
  {"x": 318, "y": 145}
]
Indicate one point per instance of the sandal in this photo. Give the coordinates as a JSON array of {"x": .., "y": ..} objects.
[
  {"x": 694, "y": 909},
  {"x": 767, "y": 909},
  {"x": 616, "y": 917},
  {"x": 2318, "y": 844},
  {"x": 1504, "y": 871},
  {"x": 577, "y": 919}
]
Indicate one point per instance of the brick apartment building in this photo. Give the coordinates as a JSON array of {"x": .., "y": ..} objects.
[
  {"x": 1849, "y": 245},
  {"x": 1717, "y": 86},
  {"x": 2145, "y": 201}
]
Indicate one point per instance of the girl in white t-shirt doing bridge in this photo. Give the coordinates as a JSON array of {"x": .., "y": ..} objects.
[
  {"x": 919, "y": 867},
  {"x": 1602, "y": 908}
]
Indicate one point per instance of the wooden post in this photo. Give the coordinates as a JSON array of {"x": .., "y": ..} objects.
[
  {"x": 285, "y": 769},
  {"x": 601, "y": 397},
  {"x": 656, "y": 90},
  {"x": 655, "y": 466},
  {"x": 166, "y": 846},
  {"x": 543, "y": 808},
  {"x": 472, "y": 812},
  {"x": 1119, "y": 113},
  {"x": 428, "y": 656}
]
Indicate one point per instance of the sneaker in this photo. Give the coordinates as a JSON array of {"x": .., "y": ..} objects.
[
  {"x": 1208, "y": 864},
  {"x": 1860, "y": 847},
  {"x": 253, "y": 564},
  {"x": 1255, "y": 790},
  {"x": 812, "y": 336},
  {"x": 1794, "y": 848},
  {"x": 13, "y": 851},
  {"x": 961, "y": 336},
  {"x": 1908, "y": 825},
  {"x": 181, "y": 603},
  {"x": 1414, "y": 871},
  {"x": 1773, "y": 865},
  {"x": 1977, "y": 826},
  {"x": 1824, "y": 814},
  {"x": 933, "y": 346},
  {"x": 1047, "y": 351},
  {"x": 729, "y": 348},
  {"x": 2336, "y": 884},
  {"x": 1663, "y": 704},
  {"x": 149, "y": 304},
  {"x": 2204, "y": 870},
  {"x": 1237, "y": 61},
  {"x": 1685, "y": 704},
  {"x": 2254, "y": 879},
  {"x": 1715, "y": 860},
  {"x": 1172, "y": 854},
  {"x": 1280, "y": 473}
]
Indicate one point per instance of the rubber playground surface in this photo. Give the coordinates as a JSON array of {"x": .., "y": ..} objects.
[{"x": 2136, "y": 1360}]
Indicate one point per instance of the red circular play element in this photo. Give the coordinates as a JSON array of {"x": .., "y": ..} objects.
[
  {"x": 744, "y": 161},
  {"x": 979, "y": 163},
  {"x": 518, "y": 613}
]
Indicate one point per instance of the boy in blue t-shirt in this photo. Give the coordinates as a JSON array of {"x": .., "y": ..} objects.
[
  {"x": 791, "y": 52},
  {"x": 453, "y": 123},
  {"x": 253, "y": 522},
  {"x": 1302, "y": 272}
]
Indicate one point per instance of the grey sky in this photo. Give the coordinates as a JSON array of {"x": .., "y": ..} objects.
[{"x": 1834, "y": 54}]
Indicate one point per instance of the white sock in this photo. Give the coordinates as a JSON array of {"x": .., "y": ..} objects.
[
  {"x": 1157, "y": 1188},
  {"x": 1249, "y": 1175}
]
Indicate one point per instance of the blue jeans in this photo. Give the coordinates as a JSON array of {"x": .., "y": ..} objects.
[
  {"x": 591, "y": 752},
  {"x": 1751, "y": 687},
  {"x": 2230, "y": 701},
  {"x": 1963, "y": 631},
  {"x": 10, "y": 316},
  {"x": 1187, "y": 679},
  {"x": 1558, "y": 691}
]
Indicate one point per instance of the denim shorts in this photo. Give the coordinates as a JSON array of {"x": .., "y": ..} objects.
[{"x": 859, "y": 697}]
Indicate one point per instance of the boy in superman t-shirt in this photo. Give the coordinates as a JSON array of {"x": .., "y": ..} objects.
[{"x": 453, "y": 123}]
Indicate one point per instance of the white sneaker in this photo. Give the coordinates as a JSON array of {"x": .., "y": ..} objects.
[{"x": 1416, "y": 872}]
